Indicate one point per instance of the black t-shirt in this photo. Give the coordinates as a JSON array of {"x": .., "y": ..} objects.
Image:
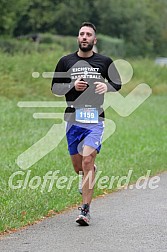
[{"x": 92, "y": 69}]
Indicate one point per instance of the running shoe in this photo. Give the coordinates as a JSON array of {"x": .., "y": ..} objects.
[
  {"x": 81, "y": 179},
  {"x": 84, "y": 217}
]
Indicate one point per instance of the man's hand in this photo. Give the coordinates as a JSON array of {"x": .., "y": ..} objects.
[
  {"x": 80, "y": 84},
  {"x": 101, "y": 87}
]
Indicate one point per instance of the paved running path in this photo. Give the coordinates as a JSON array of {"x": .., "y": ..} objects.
[{"x": 124, "y": 221}]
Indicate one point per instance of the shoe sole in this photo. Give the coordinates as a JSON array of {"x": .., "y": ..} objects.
[{"x": 82, "y": 222}]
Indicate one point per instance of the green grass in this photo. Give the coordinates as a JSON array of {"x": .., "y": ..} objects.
[
  {"x": 146, "y": 71},
  {"x": 139, "y": 142}
]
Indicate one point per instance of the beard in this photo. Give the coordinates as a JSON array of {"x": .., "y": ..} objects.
[{"x": 86, "y": 48}]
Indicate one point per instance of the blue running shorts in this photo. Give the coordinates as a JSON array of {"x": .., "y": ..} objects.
[{"x": 80, "y": 134}]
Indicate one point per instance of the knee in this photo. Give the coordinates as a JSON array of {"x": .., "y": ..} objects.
[{"x": 87, "y": 163}]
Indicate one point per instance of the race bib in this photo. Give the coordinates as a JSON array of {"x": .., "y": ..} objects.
[{"x": 86, "y": 115}]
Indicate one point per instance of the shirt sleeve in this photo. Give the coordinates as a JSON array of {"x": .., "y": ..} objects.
[
  {"x": 61, "y": 83},
  {"x": 114, "y": 80}
]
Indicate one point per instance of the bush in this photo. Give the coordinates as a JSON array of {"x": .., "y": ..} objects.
[
  {"x": 106, "y": 45},
  {"x": 25, "y": 44},
  {"x": 13, "y": 46},
  {"x": 111, "y": 46},
  {"x": 69, "y": 43}
]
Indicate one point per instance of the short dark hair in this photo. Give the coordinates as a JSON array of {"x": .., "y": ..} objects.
[{"x": 89, "y": 25}]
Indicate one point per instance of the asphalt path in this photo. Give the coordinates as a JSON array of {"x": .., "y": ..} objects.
[{"x": 132, "y": 220}]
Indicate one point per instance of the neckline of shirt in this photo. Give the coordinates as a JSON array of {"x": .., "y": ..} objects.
[{"x": 84, "y": 57}]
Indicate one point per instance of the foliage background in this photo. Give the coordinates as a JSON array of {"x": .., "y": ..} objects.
[{"x": 142, "y": 25}]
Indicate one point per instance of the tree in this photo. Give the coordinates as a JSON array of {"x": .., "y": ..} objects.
[
  {"x": 70, "y": 14},
  {"x": 141, "y": 24},
  {"x": 37, "y": 16},
  {"x": 7, "y": 17}
]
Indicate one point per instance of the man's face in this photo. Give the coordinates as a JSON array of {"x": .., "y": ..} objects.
[{"x": 86, "y": 39}]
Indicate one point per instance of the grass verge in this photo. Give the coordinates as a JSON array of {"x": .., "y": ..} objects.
[{"x": 138, "y": 144}]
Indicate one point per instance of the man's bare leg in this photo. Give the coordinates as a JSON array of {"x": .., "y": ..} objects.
[
  {"x": 89, "y": 155},
  {"x": 88, "y": 158},
  {"x": 85, "y": 163},
  {"x": 77, "y": 162}
]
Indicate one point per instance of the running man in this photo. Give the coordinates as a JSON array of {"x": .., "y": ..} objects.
[{"x": 84, "y": 90}]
